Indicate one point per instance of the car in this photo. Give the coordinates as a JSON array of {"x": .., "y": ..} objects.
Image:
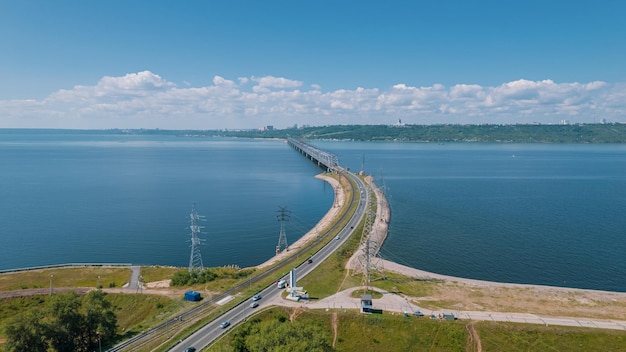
[
  {"x": 256, "y": 297},
  {"x": 254, "y": 304},
  {"x": 310, "y": 261},
  {"x": 337, "y": 237},
  {"x": 224, "y": 324},
  {"x": 418, "y": 313},
  {"x": 190, "y": 349}
]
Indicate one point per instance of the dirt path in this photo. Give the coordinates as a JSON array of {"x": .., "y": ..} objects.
[
  {"x": 335, "y": 321},
  {"x": 295, "y": 313},
  {"x": 473, "y": 336}
]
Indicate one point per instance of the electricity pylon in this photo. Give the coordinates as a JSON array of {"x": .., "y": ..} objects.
[
  {"x": 195, "y": 259},
  {"x": 283, "y": 216},
  {"x": 368, "y": 263}
]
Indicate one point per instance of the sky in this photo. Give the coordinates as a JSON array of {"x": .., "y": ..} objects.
[{"x": 248, "y": 64}]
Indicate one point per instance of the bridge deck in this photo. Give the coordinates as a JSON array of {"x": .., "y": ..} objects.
[{"x": 322, "y": 158}]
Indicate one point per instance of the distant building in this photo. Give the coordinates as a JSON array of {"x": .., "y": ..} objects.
[
  {"x": 399, "y": 123},
  {"x": 564, "y": 122}
]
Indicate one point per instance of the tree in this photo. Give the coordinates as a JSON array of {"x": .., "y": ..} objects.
[
  {"x": 25, "y": 332},
  {"x": 68, "y": 322},
  {"x": 100, "y": 323}
]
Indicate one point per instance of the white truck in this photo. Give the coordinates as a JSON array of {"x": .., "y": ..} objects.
[{"x": 281, "y": 284}]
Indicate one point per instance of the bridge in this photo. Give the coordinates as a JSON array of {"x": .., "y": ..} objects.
[{"x": 323, "y": 159}]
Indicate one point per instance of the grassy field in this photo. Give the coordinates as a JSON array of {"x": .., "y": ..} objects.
[
  {"x": 527, "y": 337},
  {"x": 352, "y": 331},
  {"x": 157, "y": 273},
  {"x": 66, "y": 277}
]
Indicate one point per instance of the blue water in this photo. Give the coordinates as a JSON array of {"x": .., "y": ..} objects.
[
  {"x": 526, "y": 213},
  {"x": 529, "y": 213},
  {"x": 67, "y": 197}
]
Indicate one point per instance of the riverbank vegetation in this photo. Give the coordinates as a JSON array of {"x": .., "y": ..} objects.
[
  {"x": 445, "y": 133},
  {"x": 579, "y": 133}
]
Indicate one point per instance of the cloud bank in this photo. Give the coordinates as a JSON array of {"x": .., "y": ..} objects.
[{"x": 146, "y": 100}]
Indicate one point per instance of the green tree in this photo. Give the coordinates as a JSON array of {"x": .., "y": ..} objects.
[
  {"x": 68, "y": 322},
  {"x": 100, "y": 323},
  {"x": 25, "y": 332},
  {"x": 65, "y": 322}
]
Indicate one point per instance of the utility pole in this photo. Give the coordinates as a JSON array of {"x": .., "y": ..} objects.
[
  {"x": 195, "y": 258},
  {"x": 368, "y": 247},
  {"x": 283, "y": 216}
]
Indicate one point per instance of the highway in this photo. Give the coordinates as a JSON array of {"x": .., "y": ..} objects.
[{"x": 207, "y": 334}]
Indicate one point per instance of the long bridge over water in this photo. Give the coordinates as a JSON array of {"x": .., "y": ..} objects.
[{"x": 322, "y": 158}]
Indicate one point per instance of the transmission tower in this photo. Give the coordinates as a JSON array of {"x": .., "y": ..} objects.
[
  {"x": 283, "y": 216},
  {"x": 195, "y": 259},
  {"x": 368, "y": 263}
]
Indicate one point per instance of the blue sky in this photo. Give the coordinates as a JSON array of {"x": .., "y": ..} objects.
[{"x": 247, "y": 64}]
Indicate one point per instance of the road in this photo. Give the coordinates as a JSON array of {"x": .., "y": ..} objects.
[{"x": 207, "y": 334}]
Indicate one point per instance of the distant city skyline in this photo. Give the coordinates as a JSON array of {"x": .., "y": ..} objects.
[{"x": 247, "y": 64}]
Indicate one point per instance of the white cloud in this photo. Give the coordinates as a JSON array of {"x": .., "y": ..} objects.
[
  {"x": 146, "y": 100},
  {"x": 276, "y": 82}
]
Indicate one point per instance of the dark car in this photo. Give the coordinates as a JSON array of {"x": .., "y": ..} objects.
[
  {"x": 225, "y": 324},
  {"x": 190, "y": 349},
  {"x": 310, "y": 261}
]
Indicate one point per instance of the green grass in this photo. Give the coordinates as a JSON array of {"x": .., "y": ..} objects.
[
  {"x": 65, "y": 277},
  {"x": 498, "y": 336},
  {"x": 157, "y": 273},
  {"x": 136, "y": 313},
  {"x": 360, "y": 332},
  {"x": 394, "y": 332}
]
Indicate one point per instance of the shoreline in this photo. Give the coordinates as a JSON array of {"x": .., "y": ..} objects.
[
  {"x": 312, "y": 234},
  {"x": 379, "y": 234}
]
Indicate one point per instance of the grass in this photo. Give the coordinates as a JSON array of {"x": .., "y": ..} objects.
[
  {"x": 65, "y": 277},
  {"x": 525, "y": 337},
  {"x": 359, "y": 332},
  {"x": 394, "y": 332},
  {"x": 136, "y": 313},
  {"x": 158, "y": 273}
]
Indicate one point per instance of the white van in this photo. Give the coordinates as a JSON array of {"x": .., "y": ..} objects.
[{"x": 281, "y": 284}]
